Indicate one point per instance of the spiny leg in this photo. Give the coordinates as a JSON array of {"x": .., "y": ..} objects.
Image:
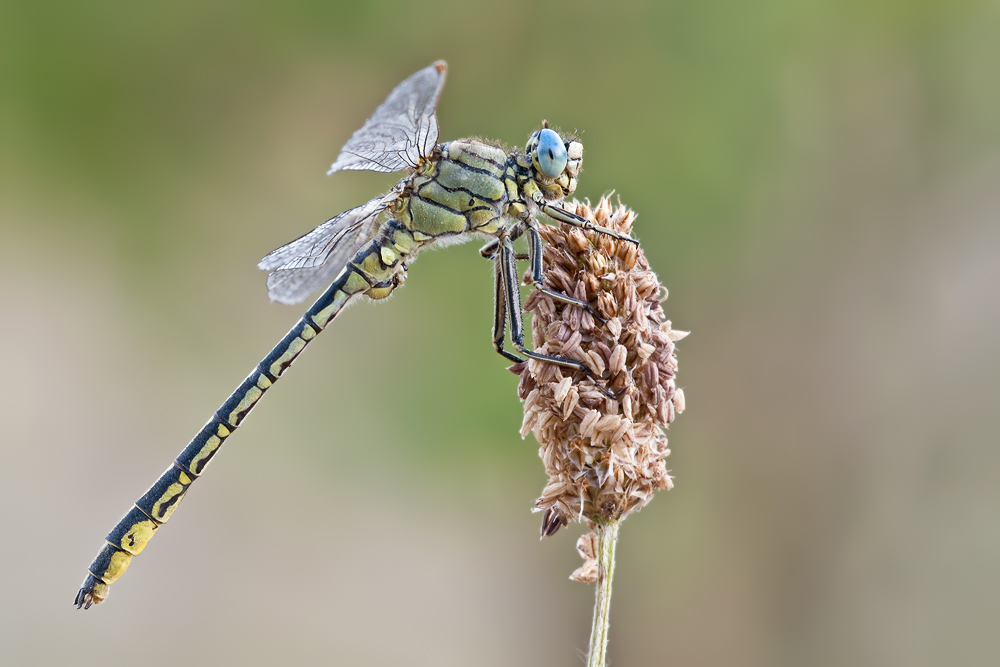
[
  {"x": 538, "y": 278},
  {"x": 512, "y": 297},
  {"x": 534, "y": 256},
  {"x": 500, "y": 310},
  {"x": 572, "y": 219},
  {"x": 489, "y": 250},
  {"x": 514, "y": 233}
]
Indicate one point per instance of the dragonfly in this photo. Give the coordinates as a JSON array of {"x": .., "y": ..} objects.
[{"x": 451, "y": 192}]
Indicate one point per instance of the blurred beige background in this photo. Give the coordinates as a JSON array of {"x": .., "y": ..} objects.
[{"x": 817, "y": 183}]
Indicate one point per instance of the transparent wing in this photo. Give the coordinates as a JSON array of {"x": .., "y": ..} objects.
[
  {"x": 312, "y": 261},
  {"x": 402, "y": 130}
]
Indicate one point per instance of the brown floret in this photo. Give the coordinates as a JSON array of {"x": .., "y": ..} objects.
[{"x": 604, "y": 456}]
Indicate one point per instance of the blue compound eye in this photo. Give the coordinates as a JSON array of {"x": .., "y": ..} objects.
[{"x": 551, "y": 153}]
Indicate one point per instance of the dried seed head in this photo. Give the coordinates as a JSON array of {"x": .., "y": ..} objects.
[
  {"x": 604, "y": 457},
  {"x": 586, "y": 546}
]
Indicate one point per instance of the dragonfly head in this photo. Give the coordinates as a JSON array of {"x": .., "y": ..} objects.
[{"x": 555, "y": 161}]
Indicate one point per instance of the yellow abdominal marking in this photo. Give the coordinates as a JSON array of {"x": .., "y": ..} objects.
[
  {"x": 249, "y": 399},
  {"x": 116, "y": 568},
  {"x": 291, "y": 352},
  {"x": 210, "y": 446},
  {"x": 134, "y": 541}
]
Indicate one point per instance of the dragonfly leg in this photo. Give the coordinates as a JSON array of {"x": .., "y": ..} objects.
[
  {"x": 537, "y": 277},
  {"x": 507, "y": 277},
  {"x": 500, "y": 310},
  {"x": 490, "y": 249},
  {"x": 534, "y": 256},
  {"x": 572, "y": 219}
]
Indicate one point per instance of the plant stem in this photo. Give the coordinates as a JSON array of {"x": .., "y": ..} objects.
[{"x": 607, "y": 536}]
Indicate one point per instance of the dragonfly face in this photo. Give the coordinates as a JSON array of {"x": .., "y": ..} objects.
[
  {"x": 551, "y": 163},
  {"x": 450, "y": 191}
]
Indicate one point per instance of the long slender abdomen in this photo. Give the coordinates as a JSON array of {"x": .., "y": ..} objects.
[{"x": 129, "y": 537}]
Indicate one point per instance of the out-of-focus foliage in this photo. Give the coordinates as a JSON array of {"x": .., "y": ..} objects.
[{"x": 816, "y": 183}]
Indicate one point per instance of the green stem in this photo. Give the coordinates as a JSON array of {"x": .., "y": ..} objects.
[{"x": 607, "y": 536}]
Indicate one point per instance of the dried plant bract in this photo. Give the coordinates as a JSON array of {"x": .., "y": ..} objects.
[{"x": 605, "y": 457}]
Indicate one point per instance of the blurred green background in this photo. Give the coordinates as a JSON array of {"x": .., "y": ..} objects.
[{"x": 816, "y": 182}]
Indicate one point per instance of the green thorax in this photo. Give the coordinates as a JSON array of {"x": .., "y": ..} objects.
[{"x": 463, "y": 189}]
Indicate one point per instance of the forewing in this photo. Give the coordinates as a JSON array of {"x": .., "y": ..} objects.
[
  {"x": 402, "y": 130},
  {"x": 312, "y": 261}
]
